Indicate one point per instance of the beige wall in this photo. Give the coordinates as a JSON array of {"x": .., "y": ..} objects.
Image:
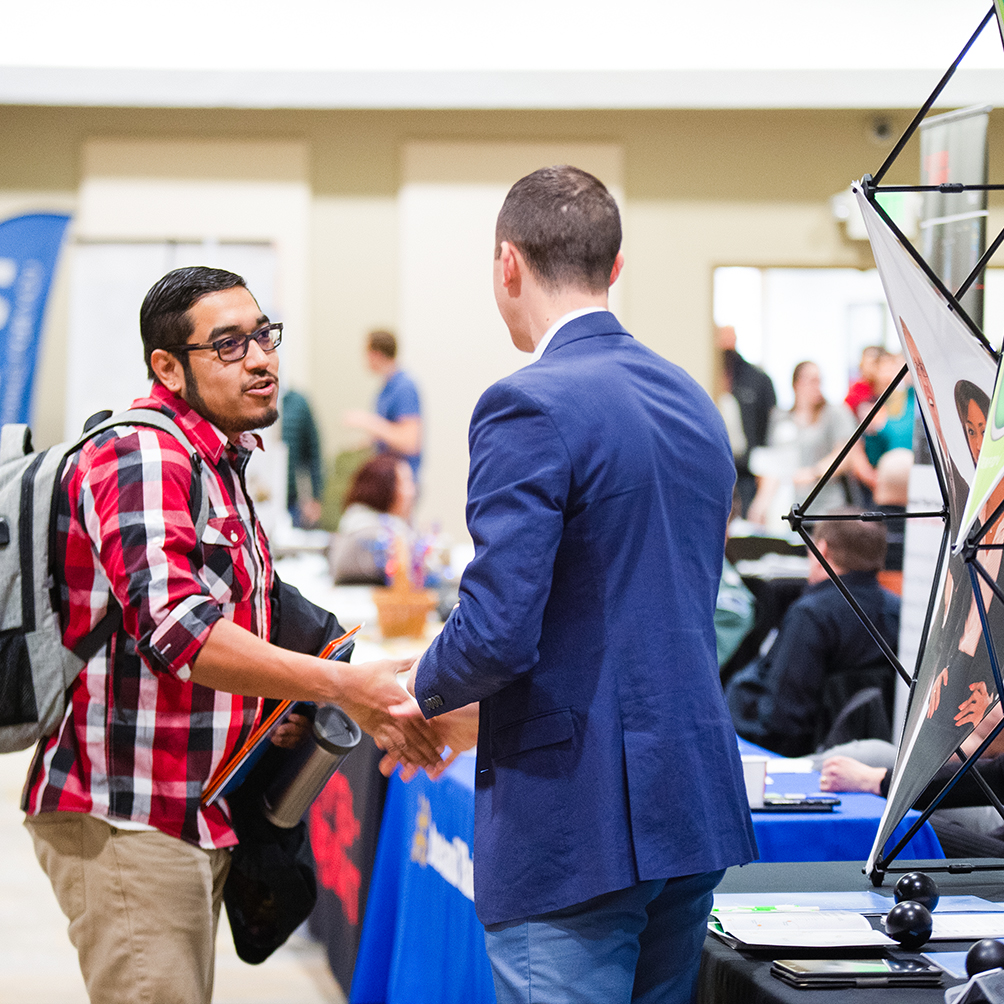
[{"x": 702, "y": 189}]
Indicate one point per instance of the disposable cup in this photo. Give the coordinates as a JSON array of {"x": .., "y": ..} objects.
[{"x": 755, "y": 776}]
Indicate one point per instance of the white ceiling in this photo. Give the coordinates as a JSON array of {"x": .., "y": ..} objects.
[{"x": 469, "y": 53}]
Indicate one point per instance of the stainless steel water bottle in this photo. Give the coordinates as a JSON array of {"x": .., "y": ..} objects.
[{"x": 309, "y": 766}]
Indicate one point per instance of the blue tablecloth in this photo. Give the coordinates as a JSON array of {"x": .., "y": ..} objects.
[
  {"x": 423, "y": 944},
  {"x": 421, "y": 941},
  {"x": 846, "y": 834}
]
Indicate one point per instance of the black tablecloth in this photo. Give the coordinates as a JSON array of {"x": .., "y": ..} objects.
[
  {"x": 344, "y": 824},
  {"x": 729, "y": 976}
]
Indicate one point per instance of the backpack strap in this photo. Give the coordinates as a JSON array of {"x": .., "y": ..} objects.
[
  {"x": 158, "y": 420},
  {"x": 95, "y": 640},
  {"x": 15, "y": 442}
]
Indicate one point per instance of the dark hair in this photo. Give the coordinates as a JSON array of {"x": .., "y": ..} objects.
[
  {"x": 852, "y": 545},
  {"x": 966, "y": 391},
  {"x": 375, "y": 483},
  {"x": 163, "y": 317},
  {"x": 383, "y": 342},
  {"x": 799, "y": 368},
  {"x": 796, "y": 374},
  {"x": 566, "y": 226}
]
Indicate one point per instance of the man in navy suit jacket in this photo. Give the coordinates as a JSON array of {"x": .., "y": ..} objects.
[{"x": 609, "y": 793}]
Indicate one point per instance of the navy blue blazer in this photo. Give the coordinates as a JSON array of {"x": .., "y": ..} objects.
[{"x": 600, "y": 483}]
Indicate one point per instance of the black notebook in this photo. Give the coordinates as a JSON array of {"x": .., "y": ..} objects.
[{"x": 790, "y": 803}]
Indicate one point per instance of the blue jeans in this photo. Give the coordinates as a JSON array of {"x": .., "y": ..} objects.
[{"x": 641, "y": 945}]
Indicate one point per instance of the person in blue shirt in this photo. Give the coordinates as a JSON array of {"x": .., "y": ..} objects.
[{"x": 397, "y": 425}]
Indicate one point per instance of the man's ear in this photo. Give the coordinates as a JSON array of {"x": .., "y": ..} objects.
[
  {"x": 168, "y": 370},
  {"x": 513, "y": 267},
  {"x": 618, "y": 265}
]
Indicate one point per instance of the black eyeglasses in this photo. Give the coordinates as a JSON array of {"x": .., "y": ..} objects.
[{"x": 235, "y": 347}]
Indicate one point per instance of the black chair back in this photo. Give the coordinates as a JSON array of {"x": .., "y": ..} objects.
[{"x": 863, "y": 716}]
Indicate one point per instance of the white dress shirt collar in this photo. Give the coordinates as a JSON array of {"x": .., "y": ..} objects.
[{"x": 558, "y": 324}]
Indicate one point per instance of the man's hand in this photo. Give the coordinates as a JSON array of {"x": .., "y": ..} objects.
[
  {"x": 361, "y": 420},
  {"x": 310, "y": 512},
  {"x": 235, "y": 661},
  {"x": 457, "y": 729},
  {"x": 388, "y": 713},
  {"x": 291, "y": 731},
  {"x": 843, "y": 773}
]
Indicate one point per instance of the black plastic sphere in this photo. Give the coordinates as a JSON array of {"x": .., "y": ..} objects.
[
  {"x": 909, "y": 923},
  {"x": 919, "y": 887},
  {"x": 984, "y": 955}
]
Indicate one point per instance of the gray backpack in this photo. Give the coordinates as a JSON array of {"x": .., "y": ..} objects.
[{"x": 36, "y": 669}]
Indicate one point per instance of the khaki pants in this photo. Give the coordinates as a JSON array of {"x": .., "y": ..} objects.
[{"x": 143, "y": 907}]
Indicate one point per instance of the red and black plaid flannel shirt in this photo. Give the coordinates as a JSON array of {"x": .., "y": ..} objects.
[{"x": 139, "y": 740}]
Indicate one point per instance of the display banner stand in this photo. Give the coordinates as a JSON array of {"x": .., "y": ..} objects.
[{"x": 880, "y": 863}]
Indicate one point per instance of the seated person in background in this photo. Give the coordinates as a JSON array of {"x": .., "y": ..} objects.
[
  {"x": 787, "y": 699},
  {"x": 377, "y": 511},
  {"x": 844, "y": 773},
  {"x": 735, "y": 608},
  {"x": 892, "y": 483},
  {"x": 735, "y": 612}
]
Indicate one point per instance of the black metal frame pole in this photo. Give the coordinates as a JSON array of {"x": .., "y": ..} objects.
[
  {"x": 974, "y": 538},
  {"x": 932, "y": 602},
  {"x": 866, "y": 516},
  {"x": 849, "y": 445},
  {"x": 876, "y": 635},
  {"x": 946, "y": 188},
  {"x": 984, "y": 623},
  {"x": 981, "y": 264},
  {"x": 988, "y": 791},
  {"x": 953, "y": 303},
  {"x": 796, "y": 517},
  {"x": 969, "y": 764},
  {"x": 926, "y": 106},
  {"x": 988, "y": 579},
  {"x": 936, "y": 464}
]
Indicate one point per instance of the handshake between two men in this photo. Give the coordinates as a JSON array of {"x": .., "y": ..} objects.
[
  {"x": 456, "y": 730},
  {"x": 384, "y": 706},
  {"x": 234, "y": 660}
]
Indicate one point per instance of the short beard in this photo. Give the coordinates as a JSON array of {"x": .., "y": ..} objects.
[{"x": 195, "y": 401}]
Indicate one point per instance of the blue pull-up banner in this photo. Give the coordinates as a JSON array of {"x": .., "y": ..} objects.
[{"x": 29, "y": 247}]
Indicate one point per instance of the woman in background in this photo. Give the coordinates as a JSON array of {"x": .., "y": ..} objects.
[
  {"x": 378, "y": 509},
  {"x": 801, "y": 445}
]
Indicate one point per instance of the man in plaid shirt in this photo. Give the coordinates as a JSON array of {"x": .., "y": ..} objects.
[{"x": 113, "y": 797}]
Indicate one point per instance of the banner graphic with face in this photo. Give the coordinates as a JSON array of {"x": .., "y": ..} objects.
[{"x": 985, "y": 429}]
